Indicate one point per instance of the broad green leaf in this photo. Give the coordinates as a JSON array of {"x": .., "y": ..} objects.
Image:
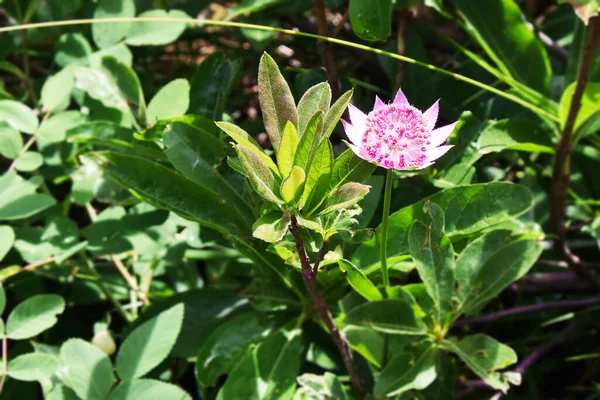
[
  {"x": 55, "y": 128},
  {"x": 166, "y": 188},
  {"x": 314, "y": 99},
  {"x": 269, "y": 371},
  {"x": 33, "y": 367},
  {"x": 11, "y": 141},
  {"x": 56, "y": 92},
  {"x": 87, "y": 369},
  {"x": 29, "y": 161},
  {"x": 515, "y": 134},
  {"x": 156, "y": 33},
  {"x": 172, "y": 100},
  {"x": 491, "y": 263},
  {"x": 276, "y": 100},
  {"x": 309, "y": 142},
  {"x": 319, "y": 177},
  {"x": 320, "y": 387},
  {"x": 484, "y": 356},
  {"x": 291, "y": 187},
  {"x": 332, "y": 117},
  {"x": 348, "y": 167},
  {"x": 388, "y": 316},
  {"x": 149, "y": 344},
  {"x": 18, "y": 116},
  {"x": 211, "y": 84},
  {"x": 371, "y": 20},
  {"x": 457, "y": 175},
  {"x": 261, "y": 178},
  {"x": 61, "y": 392},
  {"x": 407, "y": 371},
  {"x": 33, "y": 316},
  {"x": 368, "y": 343},
  {"x": 590, "y": 103},
  {"x": 433, "y": 255},
  {"x": 241, "y": 137},
  {"x": 501, "y": 30},
  {"x": 148, "y": 389},
  {"x": 467, "y": 210},
  {"x": 127, "y": 83},
  {"x": 228, "y": 344},
  {"x": 99, "y": 85},
  {"x": 248, "y": 7},
  {"x": 108, "y": 34},
  {"x": 344, "y": 197},
  {"x": 271, "y": 227},
  {"x": 72, "y": 48},
  {"x": 287, "y": 149},
  {"x": 7, "y": 238},
  {"x": 360, "y": 283},
  {"x": 18, "y": 198},
  {"x": 119, "y": 51}
]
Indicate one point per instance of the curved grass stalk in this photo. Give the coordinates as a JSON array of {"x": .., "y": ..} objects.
[{"x": 291, "y": 32}]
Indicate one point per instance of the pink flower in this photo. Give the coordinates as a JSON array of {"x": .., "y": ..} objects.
[{"x": 397, "y": 135}]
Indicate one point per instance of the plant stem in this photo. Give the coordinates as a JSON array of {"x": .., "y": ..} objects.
[
  {"x": 325, "y": 48},
  {"x": 561, "y": 174},
  {"x": 4, "y": 361},
  {"x": 321, "y": 305},
  {"x": 387, "y": 199}
]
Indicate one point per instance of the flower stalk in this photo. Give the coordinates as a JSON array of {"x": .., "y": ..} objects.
[{"x": 387, "y": 199}]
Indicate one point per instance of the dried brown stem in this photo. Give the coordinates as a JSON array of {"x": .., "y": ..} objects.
[
  {"x": 325, "y": 48},
  {"x": 561, "y": 175},
  {"x": 321, "y": 306}
]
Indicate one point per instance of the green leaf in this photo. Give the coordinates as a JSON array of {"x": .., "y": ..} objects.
[
  {"x": 11, "y": 141},
  {"x": 149, "y": 344},
  {"x": 271, "y": 227},
  {"x": 388, "y": 316},
  {"x": 368, "y": 343},
  {"x": 457, "y": 175},
  {"x": 317, "y": 98},
  {"x": 467, "y": 209},
  {"x": 99, "y": 85},
  {"x": 108, "y": 34},
  {"x": 484, "y": 355},
  {"x": 156, "y": 33},
  {"x": 33, "y": 316},
  {"x": 72, "y": 48},
  {"x": 407, "y": 371},
  {"x": 148, "y": 389},
  {"x": 211, "y": 84},
  {"x": 291, "y": 187},
  {"x": 358, "y": 281},
  {"x": 172, "y": 100},
  {"x": 55, "y": 129},
  {"x": 332, "y": 117},
  {"x": 228, "y": 344},
  {"x": 33, "y": 367},
  {"x": 241, "y": 137},
  {"x": 287, "y": 149},
  {"x": 309, "y": 142},
  {"x": 29, "y": 161},
  {"x": 87, "y": 369},
  {"x": 318, "y": 180},
  {"x": 248, "y": 7},
  {"x": 320, "y": 387},
  {"x": 345, "y": 197},
  {"x": 18, "y": 116},
  {"x": 433, "y": 255},
  {"x": 126, "y": 81},
  {"x": 61, "y": 392},
  {"x": 18, "y": 198},
  {"x": 2, "y": 305},
  {"x": 590, "y": 103},
  {"x": 166, "y": 188},
  {"x": 276, "y": 100},
  {"x": 348, "y": 167},
  {"x": 515, "y": 134},
  {"x": 501, "y": 30},
  {"x": 269, "y": 371},
  {"x": 7, "y": 239},
  {"x": 56, "y": 92},
  {"x": 491, "y": 263},
  {"x": 585, "y": 9},
  {"x": 371, "y": 20},
  {"x": 260, "y": 176}
]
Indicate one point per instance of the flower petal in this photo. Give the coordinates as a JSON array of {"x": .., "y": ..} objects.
[
  {"x": 357, "y": 117},
  {"x": 354, "y": 134},
  {"x": 434, "y": 154},
  {"x": 439, "y": 135},
  {"x": 427, "y": 164},
  {"x": 355, "y": 149},
  {"x": 400, "y": 98},
  {"x": 431, "y": 115},
  {"x": 378, "y": 103}
]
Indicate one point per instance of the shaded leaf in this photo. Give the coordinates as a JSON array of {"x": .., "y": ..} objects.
[
  {"x": 360, "y": 283},
  {"x": 271, "y": 227},
  {"x": 407, "y": 371},
  {"x": 371, "y": 20},
  {"x": 148, "y": 389},
  {"x": 388, "y": 316},
  {"x": 33, "y": 316},
  {"x": 88, "y": 370},
  {"x": 345, "y": 197},
  {"x": 33, "y": 367},
  {"x": 108, "y": 34}
]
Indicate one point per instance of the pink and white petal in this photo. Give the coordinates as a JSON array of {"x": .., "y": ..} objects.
[
  {"x": 378, "y": 103},
  {"x": 357, "y": 117},
  {"x": 356, "y": 150},
  {"x": 431, "y": 115},
  {"x": 439, "y": 135},
  {"x": 400, "y": 98},
  {"x": 354, "y": 134},
  {"x": 434, "y": 154},
  {"x": 420, "y": 167}
]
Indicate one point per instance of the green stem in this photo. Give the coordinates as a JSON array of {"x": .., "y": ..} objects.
[{"x": 387, "y": 198}]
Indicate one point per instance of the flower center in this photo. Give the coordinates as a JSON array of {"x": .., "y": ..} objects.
[{"x": 396, "y": 136}]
